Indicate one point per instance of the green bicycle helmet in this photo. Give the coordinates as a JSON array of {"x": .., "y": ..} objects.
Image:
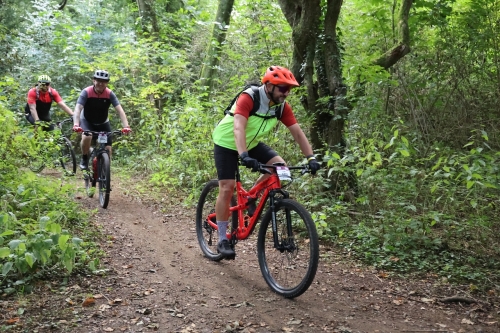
[{"x": 44, "y": 79}]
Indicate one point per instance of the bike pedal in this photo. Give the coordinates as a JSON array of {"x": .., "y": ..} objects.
[{"x": 230, "y": 258}]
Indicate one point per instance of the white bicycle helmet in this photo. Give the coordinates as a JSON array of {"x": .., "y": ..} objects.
[{"x": 101, "y": 74}]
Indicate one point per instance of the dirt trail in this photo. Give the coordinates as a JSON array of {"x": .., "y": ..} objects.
[{"x": 158, "y": 280}]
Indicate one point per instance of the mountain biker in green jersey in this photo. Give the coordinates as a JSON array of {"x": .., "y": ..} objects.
[{"x": 239, "y": 135}]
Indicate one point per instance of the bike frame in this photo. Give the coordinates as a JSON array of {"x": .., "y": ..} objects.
[
  {"x": 53, "y": 139},
  {"x": 266, "y": 189},
  {"x": 99, "y": 149}
]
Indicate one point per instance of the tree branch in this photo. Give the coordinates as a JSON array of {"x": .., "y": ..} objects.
[{"x": 403, "y": 48}]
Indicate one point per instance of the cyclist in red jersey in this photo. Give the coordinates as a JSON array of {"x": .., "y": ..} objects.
[
  {"x": 40, "y": 100},
  {"x": 91, "y": 113}
]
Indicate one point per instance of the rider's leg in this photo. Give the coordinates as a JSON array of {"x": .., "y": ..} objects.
[
  {"x": 276, "y": 159},
  {"x": 226, "y": 190},
  {"x": 265, "y": 154},
  {"x": 85, "y": 146},
  {"x": 108, "y": 148},
  {"x": 226, "y": 163}
]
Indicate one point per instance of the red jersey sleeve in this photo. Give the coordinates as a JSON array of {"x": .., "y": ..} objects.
[
  {"x": 55, "y": 94},
  {"x": 244, "y": 105},
  {"x": 31, "y": 99},
  {"x": 288, "y": 118}
]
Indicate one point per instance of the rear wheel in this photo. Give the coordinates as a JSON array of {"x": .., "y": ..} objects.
[
  {"x": 36, "y": 162},
  {"x": 67, "y": 156},
  {"x": 288, "y": 268},
  {"x": 104, "y": 179},
  {"x": 208, "y": 236}
]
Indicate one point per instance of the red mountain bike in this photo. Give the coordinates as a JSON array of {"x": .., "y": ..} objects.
[{"x": 287, "y": 243}]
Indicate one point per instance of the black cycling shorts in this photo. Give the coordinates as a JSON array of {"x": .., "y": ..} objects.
[
  {"x": 226, "y": 160},
  {"x": 106, "y": 127}
]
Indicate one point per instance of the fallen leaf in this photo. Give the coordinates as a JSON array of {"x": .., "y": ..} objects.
[
  {"x": 115, "y": 301},
  {"x": 108, "y": 329},
  {"x": 98, "y": 296},
  {"x": 104, "y": 307},
  {"x": 398, "y": 301},
  {"x": 89, "y": 301},
  {"x": 427, "y": 300},
  {"x": 144, "y": 311},
  {"x": 69, "y": 301},
  {"x": 467, "y": 321},
  {"x": 12, "y": 321}
]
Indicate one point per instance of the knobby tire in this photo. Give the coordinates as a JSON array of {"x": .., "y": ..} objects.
[
  {"x": 104, "y": 174},
  {"x": 208, "y": 237},
  {"x": 68, "y": 157},
  {"x": 289, "y": 270}
]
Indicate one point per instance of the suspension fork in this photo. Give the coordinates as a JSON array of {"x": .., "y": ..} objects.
[{"x": 272, "y": 204}]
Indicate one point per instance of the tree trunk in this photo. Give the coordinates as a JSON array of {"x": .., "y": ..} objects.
[
  {"x": 61, "y": 5},
  {"x": 215, "y": 47},
  {"x": 173, "y": 6},
  {"x": 403, "y": 48},
  {"x": 317, "y": 52},
  {"x": 148, "y": 16}
]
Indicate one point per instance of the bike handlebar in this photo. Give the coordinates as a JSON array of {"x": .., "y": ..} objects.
[
  {"x": 59, "y": 123},
  {"x": 88, "y": 133},
  {"x": 67, "y": 120},
  {"x": 263, "y": 168}
]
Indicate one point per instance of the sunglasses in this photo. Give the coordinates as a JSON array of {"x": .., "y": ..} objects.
[
  {"x": 283, "y": 89},
  {"x": 43, "y": 84}
]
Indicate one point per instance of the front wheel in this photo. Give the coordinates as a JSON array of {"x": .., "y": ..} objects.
[
  {"x": 208, "y": 236},
  {"x": 36, "y": 163},
  {"x": 289, "y": 266},
  {"x": 104, "y": 180}
]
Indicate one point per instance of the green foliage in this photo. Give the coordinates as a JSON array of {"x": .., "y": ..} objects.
[
  {"x": 38, "y": 217},
  {"x": 419, "y": 212}
]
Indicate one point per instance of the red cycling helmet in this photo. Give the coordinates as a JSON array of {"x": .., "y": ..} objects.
[{"x": 279, "y": 75}]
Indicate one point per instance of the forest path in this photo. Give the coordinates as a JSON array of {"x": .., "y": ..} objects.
[
  {"x": 157, "y": 267},
  {"x": 158, "y": 280}
]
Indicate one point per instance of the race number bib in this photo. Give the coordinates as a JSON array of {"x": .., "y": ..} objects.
[
  {"x": 283, "y": 173},
  {"x": 102, "y": 138}
]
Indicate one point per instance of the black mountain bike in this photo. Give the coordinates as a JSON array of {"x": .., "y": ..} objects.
[
  {"x": 99, "y": 170},
  {"x": 55, "y": 149}
]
